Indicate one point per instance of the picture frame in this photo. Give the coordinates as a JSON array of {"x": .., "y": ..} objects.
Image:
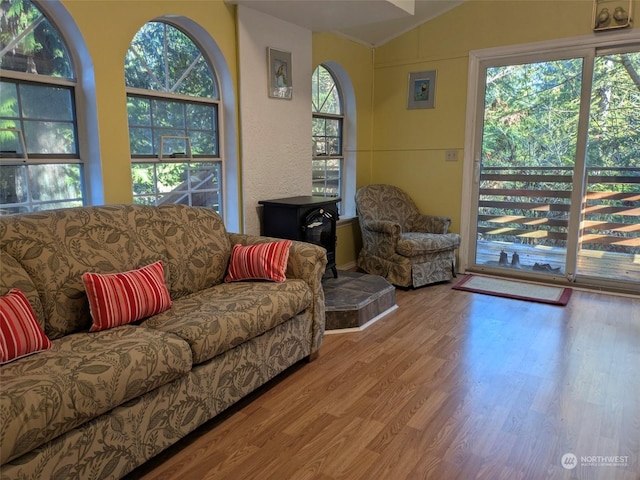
[
  {"x": 422, "y": 90},
  {"x": 611, "y": 14},
  {"x": 279, "y": 74}
]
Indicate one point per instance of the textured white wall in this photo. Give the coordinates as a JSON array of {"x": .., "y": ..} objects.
[{"x": 275, "y": 133}]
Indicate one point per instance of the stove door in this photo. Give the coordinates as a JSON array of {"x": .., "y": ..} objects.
[{"x": 319, "y": 228}]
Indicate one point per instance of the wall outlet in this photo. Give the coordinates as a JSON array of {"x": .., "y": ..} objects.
[{"x": 451, "y": 155}]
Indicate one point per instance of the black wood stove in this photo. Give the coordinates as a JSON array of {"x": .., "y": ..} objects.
[{"x": 308, "y": 218}]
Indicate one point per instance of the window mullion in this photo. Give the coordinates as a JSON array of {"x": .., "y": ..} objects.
[
  {"x": 146, "y": 66},
  {"x": 139, "y": 92},
  {"x": 166, "y": 59},
  {"x": 15, "y": 41},
  {"x": 185, "y": 74},
  {"x": 35, "y": 78},
  {"x": 579, "y": 169}
]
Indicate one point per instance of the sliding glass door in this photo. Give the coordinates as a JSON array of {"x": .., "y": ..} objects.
[
  {"x": 557, "y": 168},
  {"x": 609, "y": 243}
]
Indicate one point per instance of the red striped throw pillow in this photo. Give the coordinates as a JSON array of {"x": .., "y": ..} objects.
[
  {"x": 121, "y": 298},
  {"x": 20, "y": 334},
  {"x": 264, "y": 261}
]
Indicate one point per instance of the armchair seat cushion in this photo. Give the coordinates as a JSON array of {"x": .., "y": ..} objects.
[{"x": 412, "y": 244}]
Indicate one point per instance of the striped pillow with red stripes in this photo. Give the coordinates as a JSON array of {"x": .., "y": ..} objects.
[
  {"x": 264, "y": 261},
  {"x": 20, "y": 334},
  {"x": 120, "y": 298}
]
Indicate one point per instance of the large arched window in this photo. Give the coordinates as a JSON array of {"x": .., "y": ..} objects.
[
  {"x": 327, "y": 131},
  {"x": 173, "y": 107},
  {"x": 40, "y": 164}
]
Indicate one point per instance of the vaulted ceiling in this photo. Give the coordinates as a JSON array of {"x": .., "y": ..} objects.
[{"x": 370, "y": 22}]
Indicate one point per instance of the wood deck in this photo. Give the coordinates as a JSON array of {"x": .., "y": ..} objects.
[{"x": 591, "y": 263}]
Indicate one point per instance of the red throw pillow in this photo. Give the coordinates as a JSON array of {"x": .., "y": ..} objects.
[
  {"x": 264, "y": 261},
  {"x": 20, "y": 334},
  {"x": 121, "y": 298}
]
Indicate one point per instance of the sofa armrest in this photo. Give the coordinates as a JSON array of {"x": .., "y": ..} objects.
[
  {"x": 430, "y": 224},
  {"x": 306, "y": 262}
]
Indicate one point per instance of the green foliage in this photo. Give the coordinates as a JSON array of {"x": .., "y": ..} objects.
[
  {"x": 531, "y": 113},
  {"x": 163, "y": 58},
  {"x": 33, "y": 44},
  {"x": 325, "y": 97},
  {"x": 614, "y": 127}
]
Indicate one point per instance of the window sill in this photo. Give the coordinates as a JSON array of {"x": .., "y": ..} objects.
[{"x": 346, "y": 221}]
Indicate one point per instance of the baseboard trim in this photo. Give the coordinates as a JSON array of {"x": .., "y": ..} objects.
[{"x": 348, "y": 266}]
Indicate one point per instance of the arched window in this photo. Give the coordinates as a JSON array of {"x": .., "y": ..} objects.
[
  {"x": 174, "y": 116},
  {"x": 327, "y": 133},
  {"x": 40, "y": 165}
]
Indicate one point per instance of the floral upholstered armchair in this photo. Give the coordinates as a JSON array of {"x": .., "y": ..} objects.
[{"x": 399, "y": 243}]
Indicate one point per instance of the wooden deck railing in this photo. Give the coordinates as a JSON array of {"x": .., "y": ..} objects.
[{"x": 532, "y": 205}]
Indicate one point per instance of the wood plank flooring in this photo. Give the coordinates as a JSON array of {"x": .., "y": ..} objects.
[{"x": 452, "y": 385}]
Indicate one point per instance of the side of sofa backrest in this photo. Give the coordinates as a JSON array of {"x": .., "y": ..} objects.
[
  {"x": 56, "y": 247},
  {"x": 197, "y": 246},
  {"x": 12, "y": 275}
]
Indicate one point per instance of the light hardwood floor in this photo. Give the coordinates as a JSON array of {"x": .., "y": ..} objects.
[{"x": 452, "y": 385}]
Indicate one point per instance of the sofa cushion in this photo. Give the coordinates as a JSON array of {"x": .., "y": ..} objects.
[
  {"x": 20, "y": 334},
  {"x": 84, "y": 375},
  {"x": 14, "y": 276},
  {"x": 263, "y": 261},
  {"x": 217, "y": 319},
  {"x": 57, "y": 246},
  {"x": 120, "y": 298},
  {"x": 197, "y": 248}
]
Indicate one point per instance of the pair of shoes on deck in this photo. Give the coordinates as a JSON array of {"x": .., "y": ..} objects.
[
  {"x": 504, "y": 260},
  {"x": 545, "y": 267}
]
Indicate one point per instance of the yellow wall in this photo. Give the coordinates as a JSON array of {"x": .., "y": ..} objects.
[
  {"x": 108, "y": 28},
  {"x": 394, "y": 145},
  {"x": 409, "y": 145},
  {"x": 357, "y": 61}
]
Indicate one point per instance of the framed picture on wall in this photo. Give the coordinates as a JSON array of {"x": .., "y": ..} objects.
[
  {"x": 279, "y": 74},
  {"x": 609, "y": 14},
  {"x": 422, "y": 90}
]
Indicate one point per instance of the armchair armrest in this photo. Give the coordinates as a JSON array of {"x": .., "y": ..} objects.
[
  {"x": 383, "y": 226},
  {"x": 307, "y": 262},
  {"x": 430, "y": 224},
  {"x": 381, "y": 236}
]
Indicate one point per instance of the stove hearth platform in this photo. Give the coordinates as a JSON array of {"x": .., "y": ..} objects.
[{"x": 356, "y": 300}]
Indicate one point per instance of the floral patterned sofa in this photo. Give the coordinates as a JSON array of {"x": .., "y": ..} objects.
[
  {"x": 399, "y": 243},
  {"x": 98, "y": 404}
]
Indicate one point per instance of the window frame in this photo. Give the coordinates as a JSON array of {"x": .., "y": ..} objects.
[
  {"x": 341, "y": 138},
  {"x": 30, "y": 79},
  {"x": 156, "y": 158},
  {"x": 82, "y": 97},
  {"x": 183, "y": 99}
]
